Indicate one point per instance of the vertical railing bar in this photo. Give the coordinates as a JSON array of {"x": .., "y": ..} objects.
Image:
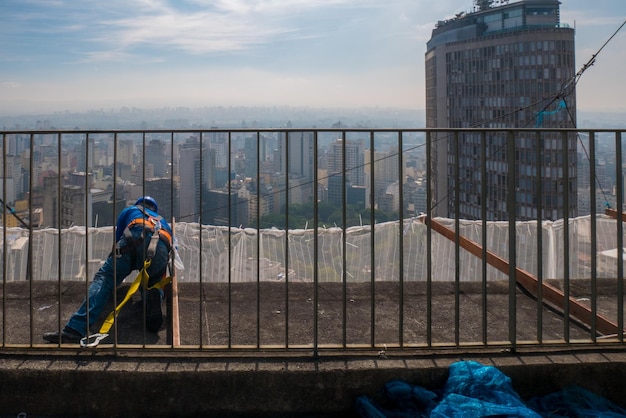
[
  {"x": 315, "y": 244},
  {"x": 372, "y": 217},
  {"x": 619, "y": 183},
  {"x": 457, "y": 244},
  {"x": 172, "y": 188},
  {"x": 483, "y": 217},
  {"x": 566, "y": 238},
  {"x": 539, "y": 196},
  {"x": 85, "y": 219},
  {"x": 4, "y": 239},
  {"x": 511, "y": 206},
  {"x": 258, "y": 241},
  {"x": 174, "y": 240},
  {"x": 143, "y": 193},
  {"x": 594, "y": 235},
  {"x": 115, "y": 141},
  {"x": 429, "y": 241},
  {"x": 29, "y": 268},
  {"x": 86, "y": 232},
  {"x": 287, "y": 238},
  {"x": 59, "y": 234},
  {"x": 401, "y": 238},
  {"x": 200, "y": 226},
  {"x": 344, "y": 237},
  {"x": 230, "y": 243}
]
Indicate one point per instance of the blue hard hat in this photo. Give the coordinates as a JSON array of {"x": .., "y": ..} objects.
[{"x": 148, "y": 202}]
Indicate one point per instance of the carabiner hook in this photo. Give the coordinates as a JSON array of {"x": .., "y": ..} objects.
[{"x": 92, "y": 340}]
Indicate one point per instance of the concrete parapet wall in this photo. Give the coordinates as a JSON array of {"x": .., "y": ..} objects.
[{"x": 136, "y": 386}]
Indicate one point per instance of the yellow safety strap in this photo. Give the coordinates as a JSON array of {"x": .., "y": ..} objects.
[
  {"x": 161, "y": 283},
  {"x": 141, "y": 279}
]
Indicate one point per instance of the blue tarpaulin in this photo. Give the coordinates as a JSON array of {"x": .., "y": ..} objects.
[{"x": 475, "y": 391}]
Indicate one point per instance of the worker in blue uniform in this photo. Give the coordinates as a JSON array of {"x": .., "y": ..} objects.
[{"x": 140, "y": 234}]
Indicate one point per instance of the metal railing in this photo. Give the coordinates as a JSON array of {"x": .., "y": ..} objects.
[{"x": 282, "y": 250}]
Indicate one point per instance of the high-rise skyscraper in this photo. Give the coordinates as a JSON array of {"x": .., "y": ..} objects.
[
  {"x": 126, "y": 152},
  {"x": 196, "y": 168},
  {"x": 156, "y": 155},
  {"x": 296, "y": 150},
  {"x": 345, "y": 159},
  {"x": 504, "y": 65}
]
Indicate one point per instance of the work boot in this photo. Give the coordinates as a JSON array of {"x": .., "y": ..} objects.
[
  {"x": 154, "y": 316},
  {"x": 68, "y": 335}
]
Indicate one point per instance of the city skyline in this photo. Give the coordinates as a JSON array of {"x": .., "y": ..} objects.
[{"x": 65, "y": 56}]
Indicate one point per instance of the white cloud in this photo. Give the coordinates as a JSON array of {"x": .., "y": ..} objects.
[
  {"x": 315, "y": 52},
  {"x": 194, "y": 33},
  {"x": 207, "y": 27}
]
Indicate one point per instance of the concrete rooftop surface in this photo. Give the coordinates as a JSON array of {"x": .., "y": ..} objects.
[{"x": 257, "y": 376}]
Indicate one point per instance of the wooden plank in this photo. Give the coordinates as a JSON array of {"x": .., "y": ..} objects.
[
  {"x": 613, "y": 214},
  {"x": 175, "y": 311},
  {"x": 550, "y": 293}
]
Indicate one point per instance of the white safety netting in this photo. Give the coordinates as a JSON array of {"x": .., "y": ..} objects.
[{"x": 222, "y": 254}]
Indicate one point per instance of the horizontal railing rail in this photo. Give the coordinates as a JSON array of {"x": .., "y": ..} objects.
[{"x": 318, "y": 240}]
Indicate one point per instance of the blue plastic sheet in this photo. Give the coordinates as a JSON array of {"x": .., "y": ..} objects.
[
  {"x": 562, "y": 105},
  {"x": 575, "y": 402},
  {"x": 474, "y": 390}
]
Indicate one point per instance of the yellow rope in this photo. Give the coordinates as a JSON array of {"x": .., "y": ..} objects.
[{"x": 140, "y": 280}]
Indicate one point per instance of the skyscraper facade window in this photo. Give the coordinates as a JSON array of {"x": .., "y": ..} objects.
[{"x": 504, "y": 65}]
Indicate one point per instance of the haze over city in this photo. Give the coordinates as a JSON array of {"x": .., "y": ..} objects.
[{"x": 62, "y": 55}]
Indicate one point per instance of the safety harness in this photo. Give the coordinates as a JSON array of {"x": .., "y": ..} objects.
[{"x": 149, "y": 224}]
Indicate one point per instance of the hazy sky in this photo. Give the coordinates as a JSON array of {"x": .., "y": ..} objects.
[{"x": 90, "y": 54}]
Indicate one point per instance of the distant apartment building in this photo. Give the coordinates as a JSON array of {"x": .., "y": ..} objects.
[
  {"x": 14, "y": 180},
  {"x": 77, "y": 208},
  {"x": 80, "y": 179},
  {"x": 346, "y": 168},
  {"x": 279, "y": 189},
  {"x": 17, "y": 144},
  {"x": 126, "y": 152},
  {"x": 218, "y": 141},
  {"x": 252, "y": 148},
  {"x": 224, "y": 207},
  {"x": 353, "y": 152},
  {"x": 502, "y": 66},
  {"x": 196, "y": 168},
  {"x": 163, "y": 190},
  {"x": 261, "y": 200},
  {"x": 386, "y": 172},
  {"x": 156, "y": 152},
  {"x": 300, "y": 154},
  {"x": 294, "y": 156},
  {"x": 72, "y": 203},
  {"x": 85, "y": 154}
]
